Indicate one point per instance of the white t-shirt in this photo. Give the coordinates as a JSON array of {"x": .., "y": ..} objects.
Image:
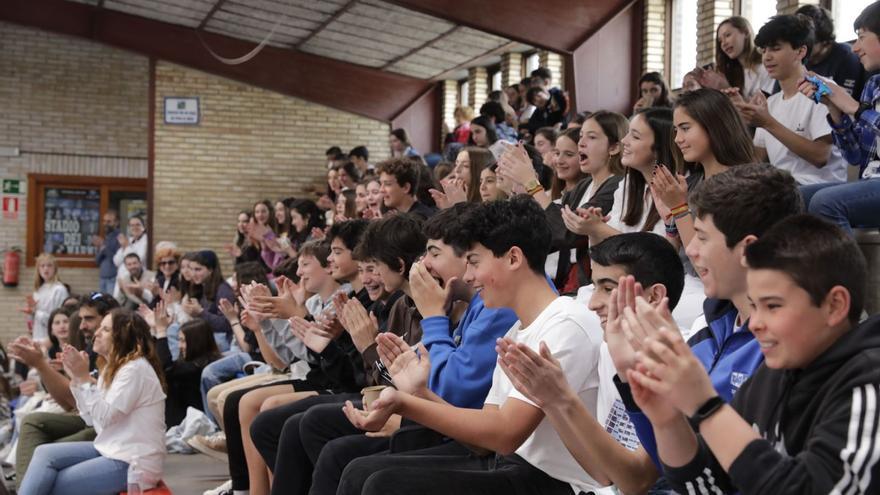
[
  {"x": 573, "y": 335},
  {"x": 48, "y": 297},
  {"x": 617, "y": 211},
  {"x": 610, "y": 410},
  {"x": 129, "y": 417},
  {"x": 756, "y": 79},
  {"x": 809, "y": 120}
]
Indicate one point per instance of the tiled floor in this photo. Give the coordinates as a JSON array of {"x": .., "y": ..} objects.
[{"x": 193, "y": 474}]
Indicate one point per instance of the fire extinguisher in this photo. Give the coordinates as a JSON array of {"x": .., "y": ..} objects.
[{"x": 11, "y": 259}]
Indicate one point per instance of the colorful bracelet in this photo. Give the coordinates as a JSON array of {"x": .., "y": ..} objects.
[
  {"x": 535, "y": 190},
  {"x": 682, "y": 214},
  {"x": 679, "y": 209}
]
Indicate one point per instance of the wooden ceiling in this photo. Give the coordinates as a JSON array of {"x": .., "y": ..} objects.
[
  {"x": 370, "y": 57},
  {"x": 372, "y": 33}
]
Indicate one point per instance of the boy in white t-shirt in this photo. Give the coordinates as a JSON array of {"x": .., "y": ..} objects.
[
  {"x": 605, "y": 445},
  {"x": 505, "y": 245},
  {"x": 793, "y": 132}
]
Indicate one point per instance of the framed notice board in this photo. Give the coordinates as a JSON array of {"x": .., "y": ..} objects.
[{"x": 65, "y": 213}]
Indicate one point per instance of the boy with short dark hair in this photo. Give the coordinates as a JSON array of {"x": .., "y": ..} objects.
[
  {"x": 360, "y": 156},
  {"x": 398, "y": 182},
  {"x": 793, "y": 133},
  {"x": 461, "y": 356},
  {"x": 606, "y": 444},
  {"x": 506, "y": 243},
  {"x": 807, "y": 420},
  {"x": 762, "y": 195}
]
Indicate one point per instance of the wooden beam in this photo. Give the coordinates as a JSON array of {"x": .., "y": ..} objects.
[
  {"x": 210, "y": 14},
  {"x": 352, "y": 88},
  {"x": 423, "y": 45},
  {"x": 556, "y": 25},
  {"x": 473, "y": 61},
  {"x": 336, "y": 15}
]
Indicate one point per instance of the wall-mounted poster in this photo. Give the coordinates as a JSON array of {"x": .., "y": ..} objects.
[
  {"x": 64, "y": 214},
  {"x": 70, "y": 218}
]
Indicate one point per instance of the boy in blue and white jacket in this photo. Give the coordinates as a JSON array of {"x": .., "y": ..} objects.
[{"x": 763, "y": 195}]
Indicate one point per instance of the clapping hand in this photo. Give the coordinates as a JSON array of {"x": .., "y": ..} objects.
[
  {"x": 26, "y": 351},
  {"x": 584, "y": 221},
  {"x": 380, "y": 411},
  {"x": 162, "y": 318},
  {"x": 516, "y": 165},
  {"x": 362, "y": 326},
  {"x": 621, "y": 349},
  {"x": 148, "y": 315},
  {"x": 668, "y": 371},
  {"x": 668, "y": 190},
  {"x": 755, "y": 112},
  {"x": 191, "y": 306},
  {"x": 288, "y": 303},
  {"x": 408, "y": 368},
  {"x": 538, "y": 376},
  {"x": 313, "y": 336},
  {"x": 76, "y": 363}
]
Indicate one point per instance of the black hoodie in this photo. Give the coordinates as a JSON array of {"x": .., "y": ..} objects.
[{"x": 820, "y": 424}]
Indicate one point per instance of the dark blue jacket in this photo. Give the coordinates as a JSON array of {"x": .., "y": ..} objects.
[
  {"x": 463, "y": 361},
  {"x": 104, "y": 256},
  {"x": 729, "y": 357}
]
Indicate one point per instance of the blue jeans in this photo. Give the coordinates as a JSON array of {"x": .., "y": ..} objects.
[
  {"x": 73, "y": 468},
  {"x": 222, "y": 341},
  {"x": 220, "y": 371},
  {"x": 106, "y": 285},
  {"x": 173, "y": 335},
  {"x": 848, "y": 205}
]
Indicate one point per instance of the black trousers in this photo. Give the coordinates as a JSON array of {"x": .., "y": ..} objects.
[
  {"x": 276, "y": 436},
  {"x": 238, "y": 469},
  {"x": 330, "y": 441},
  {"x": 426, "y": 472}
]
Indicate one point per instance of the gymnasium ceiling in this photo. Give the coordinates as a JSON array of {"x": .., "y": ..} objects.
[{"x": 347, "y": 45}]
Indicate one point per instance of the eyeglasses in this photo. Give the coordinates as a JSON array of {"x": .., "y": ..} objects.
[{"x": 167, "y": 262}]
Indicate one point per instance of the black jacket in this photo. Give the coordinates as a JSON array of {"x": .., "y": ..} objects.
[
  {"x": 183, "y": 379},
  {"x": 564, "y": 240},
  {"x": 820, "y": 424}
]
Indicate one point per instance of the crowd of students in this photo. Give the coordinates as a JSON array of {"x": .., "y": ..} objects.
[{"x": 557, "y": 304}]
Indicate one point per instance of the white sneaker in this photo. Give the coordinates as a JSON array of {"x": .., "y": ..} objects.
[
  {"x": 224, "y": 489},
  {"x": 211, "y": 445}
]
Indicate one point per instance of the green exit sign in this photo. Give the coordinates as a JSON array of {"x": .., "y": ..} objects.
[{"x": 11, "y": 186}]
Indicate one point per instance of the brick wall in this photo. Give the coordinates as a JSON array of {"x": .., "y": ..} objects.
[
  {"x": 654, "y": 36},
  {"x": 709, "y": 14},
  {"x": 449, "y": 102},
  {"x": 251, "y": 144},
  {"x": 511, "y": 68},
  {"x": 478, "y": 87},
  {"x": 784, "y": 7},
  {"x": 71, "y": 107},
  {"x": 553, "y": 61},
  {"x": 74, "y": 107}
]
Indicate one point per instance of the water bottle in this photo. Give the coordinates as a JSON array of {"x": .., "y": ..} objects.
[{"x": 135, "y": 479}]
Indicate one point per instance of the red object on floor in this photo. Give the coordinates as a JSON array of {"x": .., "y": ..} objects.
[{"x": 161, "y": 489}]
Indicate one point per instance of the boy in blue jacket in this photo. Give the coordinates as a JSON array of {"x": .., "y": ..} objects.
[
  {"x": 731, "y": 210},
  {"x": 461, "y": 359}
]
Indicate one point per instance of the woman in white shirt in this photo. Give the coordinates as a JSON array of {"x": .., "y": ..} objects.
[
  {"x": 136, "y": 242},
  {"x": 127, "y": 408},
  {"x": 49, "y": 294}
]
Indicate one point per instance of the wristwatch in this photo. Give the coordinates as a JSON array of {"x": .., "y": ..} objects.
[{"x": 708, "y": 408}]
